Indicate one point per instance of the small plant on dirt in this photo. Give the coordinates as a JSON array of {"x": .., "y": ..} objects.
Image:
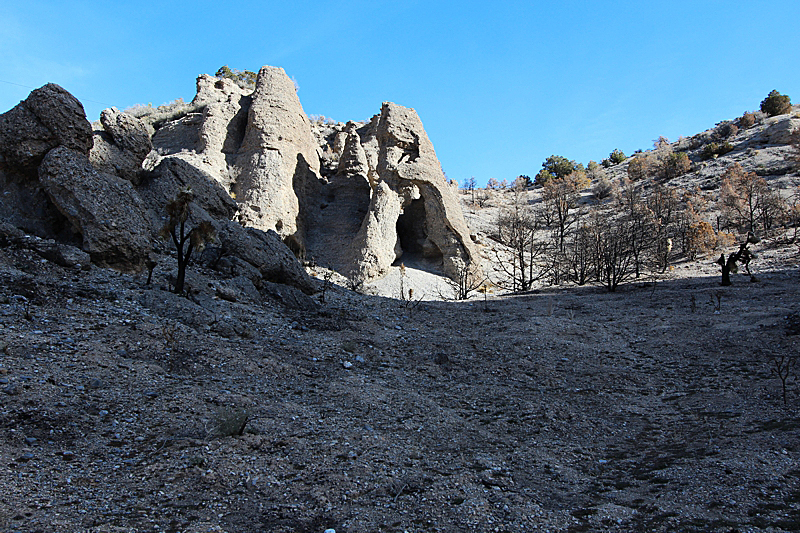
[
  {"x": 327, "y": 283},
  {"x": 354, "y": 282},
  {"x": 716, "y": 301},
  {"x": 168, "y": 332},
  {"x": 178, "y": 212},
  {"x": 230, "y": 422},
  {"x": 782, "y": 367}
]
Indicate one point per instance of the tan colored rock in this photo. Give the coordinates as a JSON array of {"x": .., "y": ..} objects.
[
  {"x": 376, "y": 245},
  {"x": 278, "y": 152},
  {"x": 430, "y": 225},
  {"x": 352, "y": 157}
]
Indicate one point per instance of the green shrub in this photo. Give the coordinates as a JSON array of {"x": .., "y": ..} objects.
[
  {"x": 712, "y": 150},
  {"x": 724, "y": 148},
  {"x": 543, "y": 177},
  {"x": 616, "y": 157},
  {"x": 560, "y": 167},
  {"x": 246, "y": 79},
  {"x": 776, "y": 104}
]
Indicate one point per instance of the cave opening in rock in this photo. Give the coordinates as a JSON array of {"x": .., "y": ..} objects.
[{"x": 412, "y": 232}]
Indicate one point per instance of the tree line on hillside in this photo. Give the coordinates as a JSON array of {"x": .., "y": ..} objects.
[{"x": 636, "y": 226}]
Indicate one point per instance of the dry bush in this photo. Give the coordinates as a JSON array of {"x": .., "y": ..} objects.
[
  {"x": 603, "y": 188},
  {"x": 638, "y": 167},
  {"x": 747, "y": 120},
  {"x": 702, "y": 239},
  {"x": 468, "y": 279},
  {"x": 726, "y": 129},
  {"x": 725, "y": 240},
  {"x": 747, "y": 202},
  {"x": 674, "y": 164}
]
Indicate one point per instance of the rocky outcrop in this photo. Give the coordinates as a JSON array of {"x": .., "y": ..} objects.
[
  {"x": 106, "y": 204},
  {"x": 277, "y": 154},
  {"x": 413, "y": 214},
  {"x": 779, "y": 130},
  {"x": 237, "y": 250},
  {"x": 121, "y": 145},
  {"x": 104, "y": 210},
  {"x": 48, "y": 118},
  {"x": 379, "y": 197}
]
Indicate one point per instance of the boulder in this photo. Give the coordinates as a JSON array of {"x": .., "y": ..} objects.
[
  {"x": 121, "y": 146},
  {"x": 173, "y": 174},
  {"x": 128, "y": 132},
  {"x": 265, "y": 251},
  {"x": 48, "y": 118},
  {"x": 779, "y": 130},
  {"x": 289, "y": 297},
  {"x": 103, "y": 209}
]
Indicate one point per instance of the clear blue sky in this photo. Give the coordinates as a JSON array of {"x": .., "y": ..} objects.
[{"x": 499, "y": 86}]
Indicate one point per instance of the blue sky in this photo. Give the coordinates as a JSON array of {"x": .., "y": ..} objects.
[{"x": 499, "y": 87}]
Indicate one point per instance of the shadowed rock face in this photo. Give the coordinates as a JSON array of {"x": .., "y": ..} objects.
[
  {"x": 104, "y": 209},
  {"x": 48, "y": 118}
]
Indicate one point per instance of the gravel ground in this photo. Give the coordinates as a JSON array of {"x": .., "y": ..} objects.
[{"x": 566, "y": 409}]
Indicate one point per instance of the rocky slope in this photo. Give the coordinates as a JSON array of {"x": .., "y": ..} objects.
[{"x": 652, "y": 409}]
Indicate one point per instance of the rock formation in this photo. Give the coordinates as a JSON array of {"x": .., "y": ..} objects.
[
  {"x": 370, "y": 196},
  {"x": 356, "y": 197},
  {"x": 103, "y": 209},
  {"x": 73, "y": 187},
  {"x": 121, "y": 145}
]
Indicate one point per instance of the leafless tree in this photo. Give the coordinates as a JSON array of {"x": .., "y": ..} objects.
[{"x": 517, "y": 228}]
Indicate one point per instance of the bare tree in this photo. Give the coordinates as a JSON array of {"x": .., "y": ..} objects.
[
  {"x": 469, "y": 278},
  {"x": 614, "y": 250},
  {"x": 560, "y": 199},
  {"x": 517, "y": 228}
]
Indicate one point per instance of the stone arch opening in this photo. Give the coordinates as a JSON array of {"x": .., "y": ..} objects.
[{"x": 412, "y": 232}]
